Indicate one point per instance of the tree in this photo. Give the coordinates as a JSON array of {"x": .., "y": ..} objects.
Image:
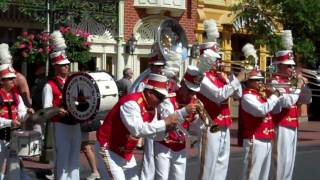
[
  {"x": 65, "y": 11},
  {"x": 263, "y": 18}
]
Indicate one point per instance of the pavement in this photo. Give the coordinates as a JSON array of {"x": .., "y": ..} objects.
[{"x": 308, "y": 148}]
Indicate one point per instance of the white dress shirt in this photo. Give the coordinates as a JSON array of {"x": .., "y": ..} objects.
[{"x": 251, "y": 104}]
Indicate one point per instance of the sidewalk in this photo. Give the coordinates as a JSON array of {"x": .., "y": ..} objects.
[{"x": 309, "y": 136}]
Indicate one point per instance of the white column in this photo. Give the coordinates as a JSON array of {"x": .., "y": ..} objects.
[{"x": 120, "y": 58}]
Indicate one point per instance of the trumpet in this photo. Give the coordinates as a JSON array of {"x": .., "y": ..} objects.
[
  {"x": 204, "y": 116},
  {"x": 246, "y": 65}
]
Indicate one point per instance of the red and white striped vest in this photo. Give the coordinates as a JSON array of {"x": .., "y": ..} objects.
[
  {"x": 219, "y": 113},
  {"x": 113, "y": 134},
  {"x": 288, "y": 117},
  {"x": 176, "y": 140},
  {"x": 258, "y": 127}
]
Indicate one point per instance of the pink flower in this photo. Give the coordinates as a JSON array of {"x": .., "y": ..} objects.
[
  {"x": 86, "y": 43},
  {"x": 31, "y": 37},
  {"x": 24, "y": 34},
  {"x": 22, "y": 46},
  {"x": 85, "y": 35},
  {"x": 40, "y": 50}
]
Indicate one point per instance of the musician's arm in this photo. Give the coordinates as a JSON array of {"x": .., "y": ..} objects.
[
  {"x": 47, "y": 96},
  {"x": 24, "y": 89},
  {"x": 195, "y": 126},
  {"x": 288, "y": 100},
  {"x": 251, "y": 105},
  {"x": 131, "y": 117},
  {"x": 216, "y": 94}
]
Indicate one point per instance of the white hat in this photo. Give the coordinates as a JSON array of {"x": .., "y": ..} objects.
[
  {"x": 208, "y": 59},
  {"x": 158, "y": 83},
  {"x": 192, "y": 78},
  {"x": 156, "y": 60},
  {"x": 287, "y": 40},
  {"x": 284, "y": 57},
  {"x": 5, "y": 56},
  {"x": 249, "y": 50},
  {"x": 58, "y": 41},
  {"x": 59, "y": 58},
  {"x": 255, "y": 74},
  {"x": 210, "y": 27},
  {"x": 6, "y": 71},
  {"x": 214, "y": 46}
]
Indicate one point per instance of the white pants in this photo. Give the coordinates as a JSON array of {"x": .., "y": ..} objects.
[
  {"x": 285, "y": 154},
  {"x": 148, "y": 165},
  {"x": 119, "y": 168},
  {"x": 169, "y": 163},
  {"x": 257, "y": 159},
  {"x": 9, "y": 159},
  {"x": 216, "y": 156},
  {"x": 67, "y": 146}
]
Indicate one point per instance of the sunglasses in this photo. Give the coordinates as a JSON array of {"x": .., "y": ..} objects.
[
  {"x": 159, "y": 96},
  {"x": 63, "y": 65}
]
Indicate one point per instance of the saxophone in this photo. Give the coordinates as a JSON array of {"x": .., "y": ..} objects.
[{"x": 204, "y": 116}]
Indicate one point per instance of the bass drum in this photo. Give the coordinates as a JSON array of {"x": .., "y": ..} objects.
[{"x": 88, "y": 96}]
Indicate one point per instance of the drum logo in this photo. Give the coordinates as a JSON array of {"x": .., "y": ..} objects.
[{"x": 81, "y": 97}]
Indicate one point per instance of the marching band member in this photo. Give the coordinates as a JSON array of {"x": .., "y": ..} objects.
[
  {"x": 216, "y": 88},
  {"x": 170, "y": 152},
  {"x": 156, "y": 65},
  {"x": 134, "y": 116},
  {"x": 285, "y": 115},
  {"x": 67, "y": 134},
  {"x": 258, "y": 129},
  {"x": 13, "y": 111}
]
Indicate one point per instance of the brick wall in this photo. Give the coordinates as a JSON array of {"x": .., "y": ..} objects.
[{"x": 187, "y": 20}]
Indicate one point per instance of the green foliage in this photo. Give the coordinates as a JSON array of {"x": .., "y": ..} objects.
[
  {"x": 65, "y": 11},
  {"x": 261, "y": 19},
  {"x": 77, "y": 45}
]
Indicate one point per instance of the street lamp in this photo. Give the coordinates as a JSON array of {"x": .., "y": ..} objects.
[{"x": 131, "y": 45}]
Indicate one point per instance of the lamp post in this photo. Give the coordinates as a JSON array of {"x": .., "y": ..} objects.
[{"x": 131, "y": 45}]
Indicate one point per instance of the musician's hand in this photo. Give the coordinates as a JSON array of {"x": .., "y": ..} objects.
[
  {"x": 301, "y": 81},
  {"x": 241, "y": 76},
  {"x": 224, "y": 76},
  {"x": 171, "y": 122},
  {"x": 30, "y": 111},
  {"x": 191, "y": 108},
  {"x": 62, "y": 112},
  {"x": 15, "y": 124}
]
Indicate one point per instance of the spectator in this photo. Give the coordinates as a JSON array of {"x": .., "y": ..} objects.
[{"x": 125, "y": 83}]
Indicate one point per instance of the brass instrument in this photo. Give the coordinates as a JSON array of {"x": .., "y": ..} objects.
[
  {"x": 204, "y": 116},
  {"x": 246, "y": 65}
]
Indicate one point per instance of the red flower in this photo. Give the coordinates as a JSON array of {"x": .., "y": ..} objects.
[
  {"x": 85, "y": 35},
  {"x": 40, "y": 50},
  {"x": 31, "y": 37},
  {"x": 24, "y": 34},
  {"x": 22, "y": 46},
  {"x": 86, "y": 43}
]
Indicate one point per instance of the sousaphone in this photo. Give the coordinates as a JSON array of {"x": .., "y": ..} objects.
[{"x": 170, "y": 39}]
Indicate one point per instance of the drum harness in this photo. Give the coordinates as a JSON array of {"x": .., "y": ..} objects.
[
  {"x": 5, "y": 132},
  {"x": 66, "y": 119}
]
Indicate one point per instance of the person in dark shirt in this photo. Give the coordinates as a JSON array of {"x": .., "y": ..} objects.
[{"x": 125, "y": 83}]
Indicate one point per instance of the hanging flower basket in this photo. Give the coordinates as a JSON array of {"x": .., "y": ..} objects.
[
  {"x": 31, "y": 48},
  {"x": 77, "y": 45}
]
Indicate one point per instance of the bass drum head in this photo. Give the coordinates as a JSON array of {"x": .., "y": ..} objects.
[{"x": 84, "y": 95}]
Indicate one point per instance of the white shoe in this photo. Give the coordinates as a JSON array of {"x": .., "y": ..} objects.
[
  {"x": 93, "y": 176},
  {"x": 50, "y": 177}
]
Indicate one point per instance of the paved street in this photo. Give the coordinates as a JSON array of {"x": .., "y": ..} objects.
[{"x": 306, "y": 161}]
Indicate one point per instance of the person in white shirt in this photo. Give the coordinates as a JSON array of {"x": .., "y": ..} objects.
[
  {"x": 13, "y": 112},
  {"x": 257, "y": 127},
  {"x": 67, "y": 133},
  {"x": 134, "y": 116}
]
